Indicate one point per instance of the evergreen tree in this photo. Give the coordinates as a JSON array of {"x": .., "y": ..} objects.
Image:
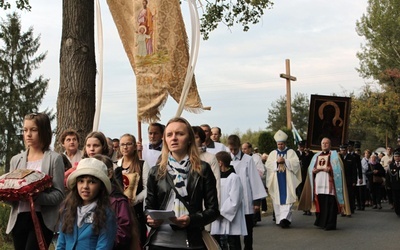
[
  {"x": 277, "y": 114},
  {"x": 20, "y": 93}
]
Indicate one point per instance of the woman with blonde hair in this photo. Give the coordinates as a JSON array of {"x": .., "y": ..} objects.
[{"x": 181, "y": 183}]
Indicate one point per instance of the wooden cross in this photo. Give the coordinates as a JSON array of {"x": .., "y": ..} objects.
[{"x": 288, "y": 78}]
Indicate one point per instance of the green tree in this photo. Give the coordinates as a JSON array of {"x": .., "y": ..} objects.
[
  {"x": 251, "y": 136},
  {"x": 245, "y": 12},
  {"x": 77, "y": 58},
  {"x": 373, "y": 118},
  {"x": 300, "y": 112},
  {"x": 277, "y": 114},
  {"x": 381, "y": 52},
  {"x": 21, "y": 4},
  {"x": 375, "y": 113},
  {"x": 266, "y": 142},
  {"x": 20, "y": 93}
]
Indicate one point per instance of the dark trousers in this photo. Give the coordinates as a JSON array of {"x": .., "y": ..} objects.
[
  {"x": 264, "y": 206},
  {"x": 248, "y": 239},
  {"x": 257, "y": 217},
  {"x": 361, "y": 190},
  {"x": 389, "y": 195},
  {"x": 142, "y": 226},
  {"x": 352, "y": 199},
  {"x": 228, "y": 242},
  {"x": 327, "y": 216},
  {"x": 396, "y": 201},
  {"x": 23, "y": 233},
  {"x": 376, "y": 192}
]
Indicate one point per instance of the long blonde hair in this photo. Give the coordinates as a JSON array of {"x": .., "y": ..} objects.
[{"x": 191, "y": 149}]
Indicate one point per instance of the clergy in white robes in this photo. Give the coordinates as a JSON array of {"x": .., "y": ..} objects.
[
  {"x": 228, "y": 228},
  {"x": 253, "y": 189},
  {"x": 283, "y": 176}
]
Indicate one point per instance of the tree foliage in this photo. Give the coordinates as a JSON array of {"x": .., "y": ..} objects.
[
  {"x": 20, "y": 94},
  {"x": 277, "y": 114},
  {"x": 248, "y": 136},
  {"x": 245, "y": 12},
  {"x": 21, "y": 4},
  {"x": 380, "y": 28},
  {"x": 375, "y": 117},
  {"x": 375, "y": 112},
  {"x": 266, "y": 142},
  {"x": 77, "y": 61},
  {"x": 251, "y": 136}
]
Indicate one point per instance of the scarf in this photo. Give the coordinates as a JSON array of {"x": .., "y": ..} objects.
[
  {"x": 179, "y": 172},
  {"x": 85, "y": 213}
]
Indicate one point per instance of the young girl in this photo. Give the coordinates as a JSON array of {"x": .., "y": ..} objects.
[
  {"x": 38, "y": 156},
  {"x": 87, "y": 221},
  {"x": 127, "y": 232},
  {"x": 130, "y": 163},
  {"x": 95, "y": 143}
]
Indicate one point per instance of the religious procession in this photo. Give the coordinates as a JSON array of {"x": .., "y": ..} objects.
[
  {"x": 186, "y": 185},
  {"x": 184, "y": 189}
]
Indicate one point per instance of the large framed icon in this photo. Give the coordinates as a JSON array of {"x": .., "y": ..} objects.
[{"x": 328, "y": 117}]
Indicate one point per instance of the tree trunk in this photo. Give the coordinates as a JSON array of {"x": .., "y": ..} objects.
[{"x": 76, "y": 95}]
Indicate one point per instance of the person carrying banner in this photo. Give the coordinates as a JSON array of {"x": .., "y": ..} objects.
[{"x": 325, "y": 190}]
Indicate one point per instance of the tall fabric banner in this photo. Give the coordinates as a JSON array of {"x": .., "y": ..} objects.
[{"x": 154, "y": 37}]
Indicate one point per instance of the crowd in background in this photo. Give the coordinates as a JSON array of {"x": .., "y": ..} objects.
[{"x": 104, "y": 196}]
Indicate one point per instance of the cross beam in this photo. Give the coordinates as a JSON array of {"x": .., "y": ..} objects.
[{"x": 288, "y": 78}]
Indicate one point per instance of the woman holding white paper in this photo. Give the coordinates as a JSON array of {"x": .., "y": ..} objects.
[{"x": 181, "y": 183}]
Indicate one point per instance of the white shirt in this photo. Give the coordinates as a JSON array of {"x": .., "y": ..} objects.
[
  {"x": 215, "y": 147},
  {"x": 150, "y": 155},
  {"x": 233, "y": 220},
  {"x": 253, "y": 188}
]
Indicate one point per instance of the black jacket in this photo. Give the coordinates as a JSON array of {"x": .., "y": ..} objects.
[
  {"x": 393, "y": 176},
  {"x": 200, "y": 187}
]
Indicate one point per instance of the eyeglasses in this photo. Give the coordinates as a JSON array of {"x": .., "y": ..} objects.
[{"x": 128, "y": 144}]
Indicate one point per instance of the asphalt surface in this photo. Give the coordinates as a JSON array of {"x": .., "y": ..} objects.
[{"x": 369, "y": 229}]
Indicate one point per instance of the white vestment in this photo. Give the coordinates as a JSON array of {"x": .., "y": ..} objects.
[
  {"x": 253, "y": 188},
  {"x": 232, "y": 220},
  {"x": 293, "y": 179},
  {"x": 215, "y": 147},
  {"x": 259, "y": 164},
  {"x": 150, "y": 155}
]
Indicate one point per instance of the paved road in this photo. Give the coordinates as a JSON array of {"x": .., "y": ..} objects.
[{"x": 369, "y": 229}]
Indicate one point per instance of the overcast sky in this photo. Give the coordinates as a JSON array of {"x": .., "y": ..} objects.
[{"x": 237, "y": 72}]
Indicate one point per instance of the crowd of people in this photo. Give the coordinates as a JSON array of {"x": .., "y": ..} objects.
[{"x": 104, "y": 196}]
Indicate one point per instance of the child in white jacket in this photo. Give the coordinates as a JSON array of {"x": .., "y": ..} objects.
[{"x": 228, "y": 228}]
